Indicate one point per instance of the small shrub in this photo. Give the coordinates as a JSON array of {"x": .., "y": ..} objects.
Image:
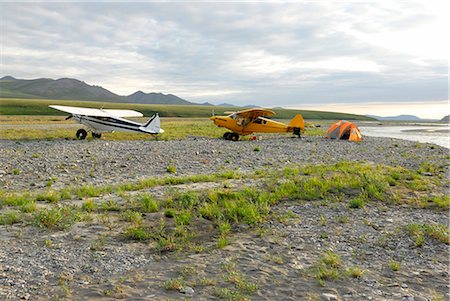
[
  {"x": 183, "y": 218},
  {"x": 16, "y": 171},
  {"x": 28, "y": 207},
  {"x": 9, "y": 218},
  {"x": 171, "y": 169},
  {"x": 394, "y": 265},
  {"x": 224, "y": 227},
  {"x": 148, "y": 204},
  {"x": 169, "y": 212},
  {"x": 132, "y": 216},
  {"x": 137, "y": 232},
  {"x": 58, "y": 218},
  {"x": 173, "y": 284},
  {"x": 186, "y": 200},
  {"x": 356, "y": 203},
  {"x": 331, "y": 259},
  {"x": 110, "y": 205},
  {"x": 355, "y": 272},
  {"x": 257, "y": 149},
  {"x": 222, "y": 242},
  {"x": 51, "y": 196},
  {"x": 89, "y": 206}
]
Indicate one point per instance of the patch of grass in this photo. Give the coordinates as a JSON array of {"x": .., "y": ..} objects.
[
  {"x": 16, "y": 171},
  {"x": 138, "y": 232},
  {"x": 91, "y": 191},
  {"x": 439, "y": 232},
  {"x": 355, "y": 272},
  {"x": 394, "y": 265},
  {"x": 89, "y": 206},
  {"x": 132, "y": 216},
  {"x": 148, "y": 203},
  {"x": 222, "y": 242},
  {"x": 442, "y": 201},
  {"x": 183, "y": 218},
  {"x": 9, "y": 218},
  {"x": 57, "y": 218},
  {"x": 169, "y": 212},
  {"x": 98, "y": 244},
  {"x": 51, "y": 196},
  {"x": 328, "y": 267},
  {"x": 171, "y": 169},
  {"x": 110, "y": 205},
  {"x": 186, "y": 200},
  {"x": 28, "y": 207},
  {"x": 174, "y": 284},
  {"x": 257, "y": 149},
  {"x": 356, "y": 203}
]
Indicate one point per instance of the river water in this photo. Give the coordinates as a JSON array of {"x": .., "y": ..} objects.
[{"x": 436, "y": 134}]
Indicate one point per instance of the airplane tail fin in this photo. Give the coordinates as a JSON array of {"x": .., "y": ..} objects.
[
  {"x": 153, "y": 125},
  {"x": 297, "y": 124}
]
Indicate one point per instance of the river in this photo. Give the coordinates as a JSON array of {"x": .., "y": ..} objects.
[
  {"x": 436, "y": 134},
  {"x": 432, "y": 133}
]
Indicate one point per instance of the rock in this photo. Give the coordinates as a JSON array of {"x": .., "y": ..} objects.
[
  {"x": 187, "y": 290},
  {"x": 329, "y": 297}
]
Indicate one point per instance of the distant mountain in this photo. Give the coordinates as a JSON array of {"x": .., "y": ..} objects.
[
  {"x": 7, "y": 78},
  {"x": 446, "y": 118},
  {"x": 73, "y": 89},
  {"x": 398, "y": 118},
  {"x": 156, "y": 98},
  {"x": 225, "y": 105}
]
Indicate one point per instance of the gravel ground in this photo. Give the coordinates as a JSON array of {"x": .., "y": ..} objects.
[
  {"x": 36, "y": 264},
  {"x": 30, "y": 164}
]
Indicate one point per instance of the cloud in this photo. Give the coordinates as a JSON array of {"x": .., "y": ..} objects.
[{"x": 262, "y": 53}]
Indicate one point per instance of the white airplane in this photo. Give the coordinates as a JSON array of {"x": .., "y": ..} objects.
[{"x": 109, "y": 120}]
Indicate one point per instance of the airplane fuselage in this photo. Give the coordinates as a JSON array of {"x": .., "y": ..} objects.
[
  {"x": 258, "y": 125},
  {"x": 108, "y": 124}
]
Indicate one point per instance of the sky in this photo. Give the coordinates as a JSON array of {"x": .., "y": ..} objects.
[{"x": 367, "y": 57}]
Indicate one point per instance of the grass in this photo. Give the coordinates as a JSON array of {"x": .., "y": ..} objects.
[
  {"x": 419, "y": 232},
  {"x": 394, "y": 265},
  {"x": 57, "y": 218},
  {"x": 19, "y": 106},
  {"x": 9, "y": 218}
]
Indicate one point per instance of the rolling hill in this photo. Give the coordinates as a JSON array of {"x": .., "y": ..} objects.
[{"x": 73, "y": 89}]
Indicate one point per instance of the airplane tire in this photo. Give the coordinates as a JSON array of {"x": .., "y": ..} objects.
[
  {"x": 226, "y": 136},
  {"x": 297, "y": 131},
  {"x": 233, "y": 137},
  {"x": 81, "y": 134},
  {"x": 96, "y": 135}
]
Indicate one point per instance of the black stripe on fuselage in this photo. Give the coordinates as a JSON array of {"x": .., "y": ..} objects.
[{"x": 116, "y": 123}]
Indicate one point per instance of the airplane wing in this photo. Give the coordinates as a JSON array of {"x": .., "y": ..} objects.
[
  {"x": 97, "y": 112},
  {"x": 255, "y": 113}
]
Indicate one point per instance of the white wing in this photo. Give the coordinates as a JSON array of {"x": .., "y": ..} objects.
[{"x": 97, "y": 112}]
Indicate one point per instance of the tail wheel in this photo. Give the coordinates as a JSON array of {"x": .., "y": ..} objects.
[
  {"x": 96, "y": 135},
  {"x": 81, "y": 134},
  {"x": 233, "y": 137}
]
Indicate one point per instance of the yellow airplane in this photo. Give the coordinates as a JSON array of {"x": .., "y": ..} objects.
[{"x": 255, "y": 121}]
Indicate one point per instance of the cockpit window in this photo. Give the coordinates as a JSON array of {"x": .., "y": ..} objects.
[{"x": 233, "y": 116}]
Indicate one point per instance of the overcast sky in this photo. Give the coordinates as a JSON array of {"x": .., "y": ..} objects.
[{"x": 352, "y": 55}]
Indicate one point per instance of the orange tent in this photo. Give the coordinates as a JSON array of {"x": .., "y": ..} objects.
[{"x": 344, "y": 130}]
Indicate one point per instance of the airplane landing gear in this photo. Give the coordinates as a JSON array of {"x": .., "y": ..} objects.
[
  {"x": 297, "y": 132},
  {"x": 231, "y": 136},
  {"x": 81, "y": 134},
  {"x": 96, "y": 135}
]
